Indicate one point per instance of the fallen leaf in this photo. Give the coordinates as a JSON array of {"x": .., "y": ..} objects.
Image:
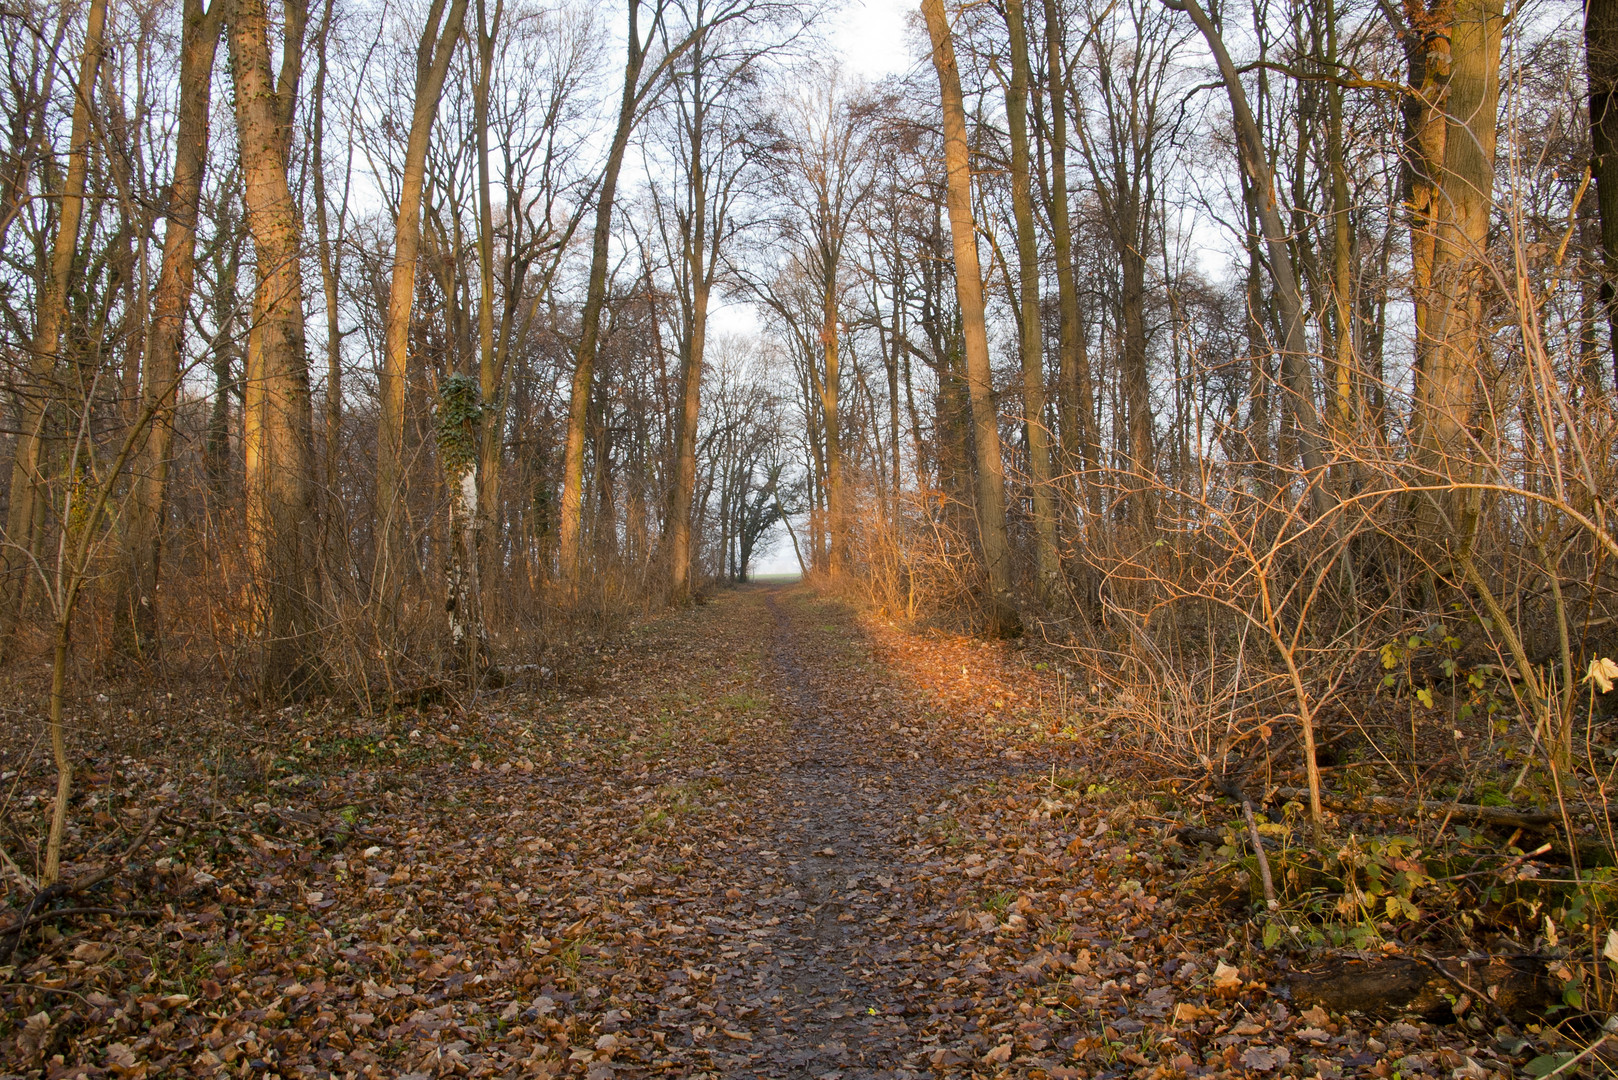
[{"x": 1265, "y": 1058}]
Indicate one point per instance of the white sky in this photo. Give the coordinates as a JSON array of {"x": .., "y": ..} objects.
[{"x": 870, "y": 35}]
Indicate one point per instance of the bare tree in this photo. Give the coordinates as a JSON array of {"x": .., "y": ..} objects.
[
  {"x": 991, "y": 493},
  {"x": 136, "y": 603},
  {"x": 277, "y": 439},
  {"x": 24, "y": 514}
]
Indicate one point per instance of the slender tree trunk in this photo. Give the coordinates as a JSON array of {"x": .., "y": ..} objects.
[
  {"x": 1345, "y": 410},
  {"x": 1601, "y": 53},
  {"x": 277, "y": 421},
  {"x": 1047, "y": 565},
  {"x": 991, "y": 490},
  {"x": 25, "y": 507},
  {"x": 329, "y": 270},
  {"x": 1296, "y": 376},
  {"x": 1076, "y": 400},
  {"x": 578, "y": 414},
  {"x": 696, "y": 336},
  {"x": 1141, "y": 453},
  {"x": 830, "y": 403},
  {"x": 136, "y": 606},
  {"x": 433, "y": 54},
  {"x": 491, "y": 365}
]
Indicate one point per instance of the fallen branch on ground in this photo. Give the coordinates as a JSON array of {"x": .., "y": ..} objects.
[{"x": 1388, "y": 806}]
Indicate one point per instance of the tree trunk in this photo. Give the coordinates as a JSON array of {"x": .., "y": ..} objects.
[
  {"x": 329, "y": 276},
  {"x": 491, "y": 366},
  {"x": 1601, "y": 53},
  {"x": 578, "y": 413},
  {"x": 1047, "y": 566},
  {"x": 1297, "y": 378},
  {"x": 433, "y": 54},
  {"x": 969, "y": 293},
  {"x": 136, "y": 606},
  {"x": 830, "y": 385},
  {"x": 1447, "y": 373},
  {"x": 695, "y": 341},
  {"x": 1427, "y": 58},
  {"x": 1141, "y": 452},
  {"x": 24, "y": 509},
  {"x": 1076, "y": 399},
  {"x": 277, "y": 412}
]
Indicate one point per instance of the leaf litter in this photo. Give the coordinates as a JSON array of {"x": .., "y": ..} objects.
[{"x": 767, "y": 837}]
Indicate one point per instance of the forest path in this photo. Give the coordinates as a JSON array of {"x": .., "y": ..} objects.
[
  {"x": 839, "y": 972},
  {"x": 826, "y": 926}
]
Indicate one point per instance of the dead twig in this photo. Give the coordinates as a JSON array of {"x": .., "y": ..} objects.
[
  {"x": 1233, "y": 789},
  {"x": 59, "y": 913}
]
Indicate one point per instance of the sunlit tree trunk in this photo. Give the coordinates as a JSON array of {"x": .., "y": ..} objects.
[
  {"x": 24, "y": 510},
  {"x": 1448, "y": 371},
  {"x": 136, "y": 605},
  {"x": 694, "y": 236},
  {"x": 1426, "y": 36},
  {"x": 1345, "y": 394},
  {"x": 578, "y": 415},
  {"x": 991, "y": 485},
  {"x": 277, "y": 409}
]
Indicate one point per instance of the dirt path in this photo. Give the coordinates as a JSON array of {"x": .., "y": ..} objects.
[{"x": 832, "y": 889}]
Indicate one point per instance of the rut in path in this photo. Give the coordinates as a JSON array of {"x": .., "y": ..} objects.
[{"x": 843, "y": 969}]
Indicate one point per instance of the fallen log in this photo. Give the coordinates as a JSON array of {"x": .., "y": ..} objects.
[
  {"x": 1517, "y": 987},
  {"x": 1468, "y": 813}
]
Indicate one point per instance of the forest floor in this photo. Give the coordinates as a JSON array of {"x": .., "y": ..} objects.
[{"x": 763, "y": 837}]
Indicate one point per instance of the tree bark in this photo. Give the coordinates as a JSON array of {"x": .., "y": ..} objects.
[
  {"x": 974, "y": 332},
  {"x": 23, "y": 511},
  {"x": 578, "y": 413},
  {"x": 830, "y": 404},
  {"x": 136, "y": 607},
  {"x": 1426, "y": 38},
  {"x": 1076, "y": 398},
  {"x": 1601, "y": 58},
  {"x": 277, "y": 422},
  {"x": 329, "y": 276},
  {"x": 491, "y": 359},
  {"x": 433, "y": 54},
  {"x": 695, "y": 342},
  {"x": 1447, "y": 372},
  {"x": 1047, "y": 565}
]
